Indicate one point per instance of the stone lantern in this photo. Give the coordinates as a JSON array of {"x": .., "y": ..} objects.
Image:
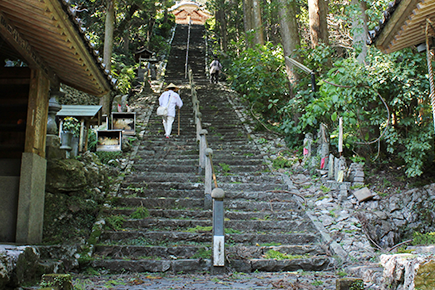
[{"x": 53, "y": 108}]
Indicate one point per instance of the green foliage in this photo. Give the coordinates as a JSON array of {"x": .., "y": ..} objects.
[
  {"x": 341, "y": 273},
  {"x": 140, "y": 213},
  {"x": 270, "y": 244},
  {"x": 199, "y": 229},
  {"x": 325, "y": 189},
  {"x": 273, "y": 254},
  {"x": 225, "y": 167},
  {"x": 92, "y": 140},
  {"x": 317, "y": 283},
  {"x": 231, "y": 231},
  {"x": 106, "y": 156},
  {"x": 281, "y": 162},
  {"x": 259, "y": 75},
  {"x": 138, "y": 23},
  {"x": 423, "y": 239},
  {"x": 357, "y": 285},
  {"x": 68, "y": 218},
  {"x": 358, "y": 100},
  {"x": 115, "y": 222},
  {"x": 202, "y": 253},
  {"x": 123, "y": 72},
  {"x": 71, "y": 124}
]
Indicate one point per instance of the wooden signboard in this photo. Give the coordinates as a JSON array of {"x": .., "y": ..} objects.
[
  {"x": 125, "y": 121},
  {"x": 109, "y": 140}
]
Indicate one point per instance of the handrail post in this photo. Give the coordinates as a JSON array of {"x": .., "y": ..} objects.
[
  {"x": 202, "y": 147},
  {"x": 218, "y": 196},
  {"x": 187, "y": 49},
  {"x": 208, "y": 178},
  {"x": 198, "y": 125}
]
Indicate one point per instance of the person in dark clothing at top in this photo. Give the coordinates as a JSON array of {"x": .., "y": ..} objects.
[{"x": 215, "y": 68}]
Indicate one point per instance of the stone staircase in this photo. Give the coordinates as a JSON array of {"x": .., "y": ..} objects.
[{"x": 158, "y": 222}]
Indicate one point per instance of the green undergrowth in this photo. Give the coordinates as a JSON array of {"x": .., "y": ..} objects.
[
  {"x": 115, "y": 222},
  {"x": 140, "y": 213},
  {"x": 276, "y": 255},
  {"x": 423, "y": 239}
]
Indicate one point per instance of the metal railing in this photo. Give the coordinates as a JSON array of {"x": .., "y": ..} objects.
[{"x": 213, "y": 199}]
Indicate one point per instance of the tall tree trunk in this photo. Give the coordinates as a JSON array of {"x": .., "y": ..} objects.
[
  {"x": 360, "y": 29},
  {"x": 258, "y": 22},
  {"x": 151, "y": 23},
  {"x": 248, "y": 22},
  {"x": 289, "y": 34},
  {"x": 108, "y": 48},
  {"x": 127, "y": 41},
  {"x": 318, "y": 11},
  {"x": 165, "y": 11},
  {"x": 220, "y": 17}
]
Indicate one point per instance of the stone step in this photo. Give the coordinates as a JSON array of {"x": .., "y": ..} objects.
[
  {"x": 132, "y": 237},
  {"x": 297, "y": 224},
  {"x": 138, "y": 178},
  {"x": 207, "y": 214},
  {"x": 200, "y": 265},
  {"x": 271, "y": 196},
  {"x": 222, "y": 162},
  {"x": 261, "y": 214},
  {"x": 193, "y": 203},
  {"x": 193, "y": 251},
  {"x": 193, "y": 168},
  {"x": 251, "y": 191},
  {"x": 174, "y": 143}
]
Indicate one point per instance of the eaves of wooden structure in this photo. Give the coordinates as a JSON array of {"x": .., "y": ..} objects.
[
  {"x": 42, "y": 44},
  {"x": 190, "y": 11},
  {"x": 48, "y": 35},
  {"x": 403, "y": 25}
]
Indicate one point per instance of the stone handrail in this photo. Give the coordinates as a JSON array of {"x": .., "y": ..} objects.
[{"x": 213, "y": 199}]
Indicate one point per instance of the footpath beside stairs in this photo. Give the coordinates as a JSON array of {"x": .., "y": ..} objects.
[{"x": 158, "y": 222}]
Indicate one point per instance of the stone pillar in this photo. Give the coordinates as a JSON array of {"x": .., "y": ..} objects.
[
  {"x": 308, "y": 141},
  {"x": 52, "y": 148},
  {"x": 331, "y": 167},
  {"x": 53, "y": 108},
  {"x": 31, "y": 199},
  {"x": 323, "y": 149}
]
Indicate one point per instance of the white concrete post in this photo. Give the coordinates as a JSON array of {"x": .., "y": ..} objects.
[
  {"x": 218, "y": 196},
  {"x": 202, "y": 147},
  {"x": 198, "y": 125}
]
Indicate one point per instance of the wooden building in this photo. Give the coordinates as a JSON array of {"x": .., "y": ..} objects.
[
  {"x": 408, "y": 23},
  {"x": 42, "y": 44},
  {"x": 404, "y": 25},
  {"x": 186, "y": 10}
]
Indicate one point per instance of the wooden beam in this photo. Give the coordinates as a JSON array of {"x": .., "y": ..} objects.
[
  {"x": 27, "y": 23},
  {"x": 396, "y": 21},
  {"x": 37, "y": 113},
  {"x": 13, "y": 37},
  {"x": 81, "y": 47}
]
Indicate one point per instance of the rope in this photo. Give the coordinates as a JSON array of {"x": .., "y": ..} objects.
[{"x": 430, "y": 70}]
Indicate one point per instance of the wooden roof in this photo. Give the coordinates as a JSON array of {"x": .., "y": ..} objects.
[
  {"x": 47, "y": 36},
  {"x": 79, "y": 110},
  {"x": 186, "y": 10},
  {"x": 403, "y": 25}
]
